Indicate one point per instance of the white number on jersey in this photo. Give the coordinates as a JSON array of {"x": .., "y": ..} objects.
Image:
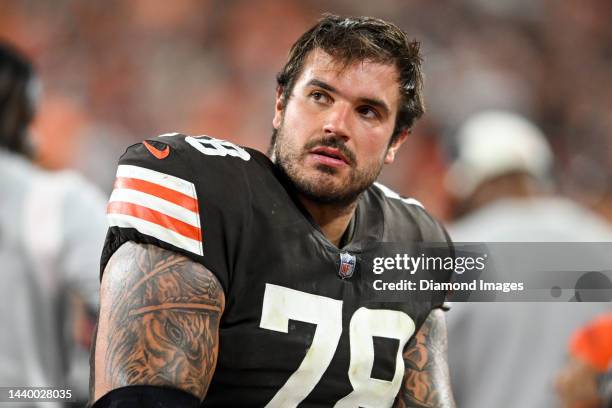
[
  {"x": 216, "y": 147},
  {"x": 281, "y": 304},
  {"x": 365, "y": 324}
]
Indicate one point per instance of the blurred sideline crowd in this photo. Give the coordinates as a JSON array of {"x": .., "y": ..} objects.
[{"x": 516, "y": 145}]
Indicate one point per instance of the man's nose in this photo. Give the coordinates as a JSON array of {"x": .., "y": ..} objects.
[{"x": 337, "y": 121}]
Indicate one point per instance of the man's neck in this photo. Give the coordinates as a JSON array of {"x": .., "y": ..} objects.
[{"x": 332, "y": 219}]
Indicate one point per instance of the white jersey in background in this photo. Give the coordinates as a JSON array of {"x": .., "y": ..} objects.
[
  {"x": 52, "y": 227},
  {"x": 506, "y": 355}
]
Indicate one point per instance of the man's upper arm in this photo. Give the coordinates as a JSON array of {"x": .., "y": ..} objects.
[
  {"x": 158, "y": 324},
  {"x": 426, "y": 381}
]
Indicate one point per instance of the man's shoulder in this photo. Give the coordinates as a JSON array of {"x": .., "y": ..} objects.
[
  {"x": 196, "y": 150},
  {"x": 405, "y": 216},
  {"x": 181, "y": 160},
  {"x": 395, "y": 206},
  {"x": 188, "y": 194},
  {"x": 390, "y": 196}
]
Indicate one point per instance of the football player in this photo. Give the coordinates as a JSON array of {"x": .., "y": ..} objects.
[
  {"x": 52, "y": 225},
  {"x": 235, "y": 279}
]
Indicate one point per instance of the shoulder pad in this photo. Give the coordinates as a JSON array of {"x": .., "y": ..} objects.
[
  {"x": 168, "y": 186},
  {"x": 186, "y": 194},
  {"x": 414, "y": 212},
  {"x": 205, "y": 145},
  {"x": 393, "y": 195}
]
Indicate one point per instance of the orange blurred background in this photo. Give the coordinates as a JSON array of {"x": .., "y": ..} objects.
[{"x": 115, "y": 72}]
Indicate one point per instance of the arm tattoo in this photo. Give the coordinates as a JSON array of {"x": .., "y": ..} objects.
[
  {"x": 426, "y": 381},
  {"x": 159, "y": 321}
]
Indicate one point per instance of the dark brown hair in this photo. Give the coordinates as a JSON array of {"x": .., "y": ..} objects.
[
  {"x": 16, "y": 110},
  {"x": 357, "y": 39}
]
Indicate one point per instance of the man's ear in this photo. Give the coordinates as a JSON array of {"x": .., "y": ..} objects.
[
  {"x": 394, "y": 147},
  {"x": 279, "y": 105}
]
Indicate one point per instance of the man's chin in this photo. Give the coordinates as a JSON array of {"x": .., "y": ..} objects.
[
  {"x": 321, "y": 184},
  {"x": 326, "y": 192}
]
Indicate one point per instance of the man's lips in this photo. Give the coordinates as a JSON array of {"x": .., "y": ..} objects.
[{"x": 330, "y": 156}]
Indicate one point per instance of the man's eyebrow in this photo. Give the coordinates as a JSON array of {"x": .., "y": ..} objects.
[
  {"x": 321, "y": 84},
  {"x": 369, "y": 101}
]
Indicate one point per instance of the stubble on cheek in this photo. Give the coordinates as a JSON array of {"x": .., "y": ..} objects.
[{"x": 317, "y": 181}]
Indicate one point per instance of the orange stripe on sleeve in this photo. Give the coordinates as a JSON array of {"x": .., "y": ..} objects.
[
  {"x": 164, "y": 193},
  {"x": 163, "y": 220}
]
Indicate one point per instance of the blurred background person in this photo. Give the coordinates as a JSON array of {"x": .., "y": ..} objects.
[
  {"x": 506, "y": 354},
  {"x": 585, "y": 381},
  {"x": 118, "y": 72},
  {"x": 121, "y": 71},
  {"x": 52, "y": 226}
]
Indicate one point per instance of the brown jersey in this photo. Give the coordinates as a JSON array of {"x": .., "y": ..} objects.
[{"x": 299, "y": 327}]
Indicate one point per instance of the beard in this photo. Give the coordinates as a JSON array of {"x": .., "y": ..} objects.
[{"x": 322, "y": 186}]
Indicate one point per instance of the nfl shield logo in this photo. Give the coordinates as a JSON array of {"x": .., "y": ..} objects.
[{"x": 347, "y": 265}]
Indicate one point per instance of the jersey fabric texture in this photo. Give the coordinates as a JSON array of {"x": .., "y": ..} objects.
[{"x": 293, "y": 331}]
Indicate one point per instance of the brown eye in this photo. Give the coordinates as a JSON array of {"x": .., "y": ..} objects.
[
  {"x": 319, "y": 96},
  {"x": 368, "y": 112}
]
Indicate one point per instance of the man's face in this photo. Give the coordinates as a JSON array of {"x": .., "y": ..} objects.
[{"x": 332, "y": 136}]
